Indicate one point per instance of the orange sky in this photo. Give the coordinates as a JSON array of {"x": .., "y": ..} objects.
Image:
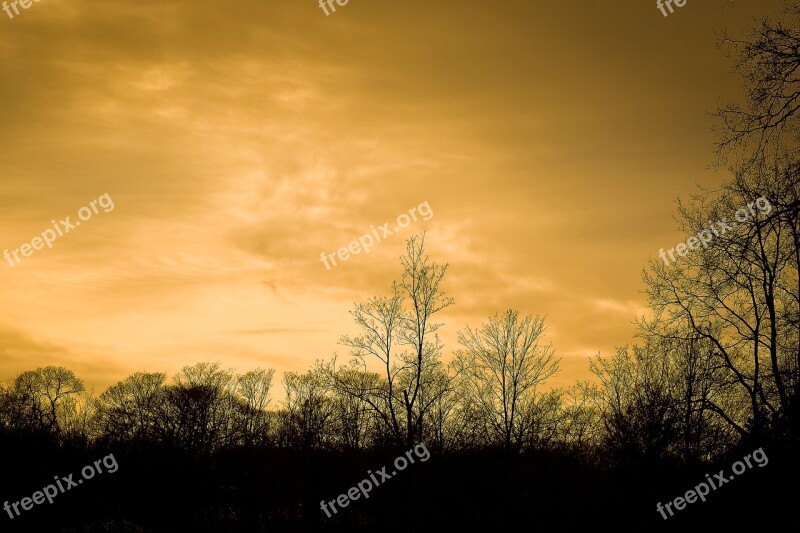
[{"x": 240, "y": 140}]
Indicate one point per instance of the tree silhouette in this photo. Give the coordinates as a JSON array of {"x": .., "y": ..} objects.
[
  {"x": 405, "y": 343},
  {"x": 501, "y": 365}
]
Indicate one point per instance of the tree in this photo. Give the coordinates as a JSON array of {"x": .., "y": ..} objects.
[
  {"x": 500, "y": 367},
  {"x": 740, "y": 293},
  {"x": 439, "y": 400},
  {"x": 307, "y": 419},
  {"x": 767, "y": 60},
  {"x": 580, "y": 417},
  {"x": 253, "y": 388},
  {"x": 658, "y": 399},
  {"x": 353, "y": 418},
  {"x": 200, "y": 412},
  {"x": 43, "y": 400},
  {"x": 128, "y": 411},
  {"x": 399, "y": 333},
  {"x": 641, "y": 410}
]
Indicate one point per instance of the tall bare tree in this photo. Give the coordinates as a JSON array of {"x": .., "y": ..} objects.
[
  {"x": 399, "y": 333},
  {"x": 740, "y": 293}
]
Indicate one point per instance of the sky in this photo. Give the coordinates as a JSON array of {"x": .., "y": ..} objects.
[{"x": 240, "y": 141}]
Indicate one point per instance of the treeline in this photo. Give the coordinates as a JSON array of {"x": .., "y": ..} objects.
[
  {"x": 714, "y": 374},
  {"x": 716, "y": 365}
]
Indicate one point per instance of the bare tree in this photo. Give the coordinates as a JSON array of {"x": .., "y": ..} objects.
[
  {"x": 440, "y": 401},
  {"x": 500, "y": 366},
  {"x": 740, "y": 293},
  {"x": 307, "y": 419},
  {"x": 128, "y": 411},
  {"x": 659, "y": 399},
  {"x": 403, "y": 340},
  {"x": 253, "y": 388},
  {"x": 76, "y": 417},
  {"x": 767, "y": 60},
  {"x": 580, "y": 417},
  {"x": 43, "y": 399},
  {"x": 641, "y": 410},
  {"x": 353, "y": 417},
  {"x": 200, "y": 410}
]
